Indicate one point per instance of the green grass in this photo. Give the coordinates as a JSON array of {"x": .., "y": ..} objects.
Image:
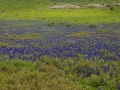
[
  {"x": 33, "y": 4},
  {"x": 78, "y": 16},
  {"x": 38, "y": 10}
]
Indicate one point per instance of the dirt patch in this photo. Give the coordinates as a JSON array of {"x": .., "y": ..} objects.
[
  {"x": 70, "y": 6},
  {"x": 95, "y": 6},
  {"x": 103, "y": 5},
  {"x": 116, "y": 4},
  {"x": 67, "y": 6}
]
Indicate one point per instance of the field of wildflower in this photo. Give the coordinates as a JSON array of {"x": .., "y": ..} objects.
[
  {"x": 59, "y": 49},
  {"x": 35, "y": 55}
]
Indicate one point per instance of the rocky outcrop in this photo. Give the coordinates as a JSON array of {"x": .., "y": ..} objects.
[
  {"x": 67, "y": 6},
  {"x": 95, "y": 6}
]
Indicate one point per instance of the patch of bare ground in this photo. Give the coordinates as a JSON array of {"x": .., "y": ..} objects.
[
  {"x": 95, "y": 6},
  {"x": 71, "y": 6},
  {"x": 113, "y": 4},
  {"x": 103, "y": 5},
  {"x": 66, "y": 6}
]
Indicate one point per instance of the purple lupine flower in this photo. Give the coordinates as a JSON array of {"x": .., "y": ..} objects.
[
  {"x": 78, "y": 74},
  {"x": 99, "y": 89},
  {"x": 113, "y": 65},
  {"x": 80, "y": 70},
  {"x": 98, "y": 73},
  {"x": 86, "y": 69},
  {"x": 11, "y": 56},
  {"x": 92, "y": 70},
  {"x": 86, "y": 75},
  {"x": 119, "y": 87},
  {"x": 111, "y": 74},
  {"x": 114, "y": 68},
  {"x": 105, "y": 69}
]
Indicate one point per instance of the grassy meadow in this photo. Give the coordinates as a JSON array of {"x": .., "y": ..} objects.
[
  {"x": 39, "y": 10},
  {"x": 78, "y": 16},
  {"x": 59, "y": 49}
]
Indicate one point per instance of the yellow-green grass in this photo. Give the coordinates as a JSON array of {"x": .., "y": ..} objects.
[
  {"x": 3, "y": 44},
  {"x": 25, "y": 75},
  {"x": 39, "y": 10},
  {"x": 25, "y": 36},
  {"x": 49, "y": 75},
  {"x": 73, "y": 16},
  {"x": 81, "y": 34}
]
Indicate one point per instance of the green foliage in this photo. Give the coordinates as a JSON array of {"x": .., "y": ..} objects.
[
  {"x": 95, "y": 81},
  {"x": 18, "y": 64},
  {"x": 55, "y": 74},
  {"x": 5, "y": 68},
  {"x": 45, "y": 77}
]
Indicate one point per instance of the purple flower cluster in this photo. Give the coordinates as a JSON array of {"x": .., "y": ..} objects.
[
  {"x": 61, "y": 44},
  {"x": 57, "y": 43},
  {"x": 101, "y": 69}
]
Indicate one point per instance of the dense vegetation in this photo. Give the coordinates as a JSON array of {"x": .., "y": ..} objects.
[
  {"x": 71, "y": 49},
  {"x": 54, "y": 74},
  {"x": 76, "y": 59}
]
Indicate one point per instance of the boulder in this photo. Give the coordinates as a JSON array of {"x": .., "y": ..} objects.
[
  {"x": 95, "y": 6},
  {"x": 67, "y": 6}
]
